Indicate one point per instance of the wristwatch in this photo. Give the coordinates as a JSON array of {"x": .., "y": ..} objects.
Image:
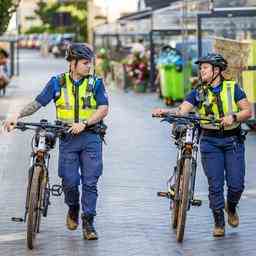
[
  {"x": 85, "y": 123},
  {"x": 234, "y": 117}
]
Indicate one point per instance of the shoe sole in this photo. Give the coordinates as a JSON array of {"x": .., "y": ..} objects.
[
  {"x": 221, "y": 235},
  {"x": 90, "y": 237}
]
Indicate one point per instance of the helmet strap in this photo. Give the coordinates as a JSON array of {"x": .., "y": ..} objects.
[{"x": 214, "y": 77}]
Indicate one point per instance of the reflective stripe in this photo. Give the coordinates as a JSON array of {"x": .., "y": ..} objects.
[
  {"x": 64, "y": 107},
  {"x": 229, "y": 97},
  {"x": 66, "y": 98},
  {"x": 69, "y": 120}
]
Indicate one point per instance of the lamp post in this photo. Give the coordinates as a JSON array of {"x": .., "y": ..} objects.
[
  {"x": 211, "y": 5},
  {"x": 184, "y": 42},
  {"x": 90, "y": 20}
]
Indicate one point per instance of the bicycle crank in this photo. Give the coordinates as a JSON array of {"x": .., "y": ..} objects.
[
  {"x": 166, "y": 195},
  {"x": 18, "y": 219}
]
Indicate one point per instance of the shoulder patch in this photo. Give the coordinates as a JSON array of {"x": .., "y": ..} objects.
[{"x": 62, "y": 80}]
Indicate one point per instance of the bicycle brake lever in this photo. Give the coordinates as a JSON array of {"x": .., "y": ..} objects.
[{"x": 20, "y": 126}]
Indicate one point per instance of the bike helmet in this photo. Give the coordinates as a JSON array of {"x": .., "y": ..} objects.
[
  {"x": 78, "y": 51},
  {"x": 215, "y": 59}
]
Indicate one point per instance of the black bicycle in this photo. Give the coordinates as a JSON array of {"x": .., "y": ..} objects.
[
  {"x": 181, "y": 184},
  {"x": 39, "y": 188}
]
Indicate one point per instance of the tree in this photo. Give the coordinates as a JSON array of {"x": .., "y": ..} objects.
[
  {"x": 78, "y": 13},
  {"x": 7, "y": 8},
  {"x": 46, "y": 11}
]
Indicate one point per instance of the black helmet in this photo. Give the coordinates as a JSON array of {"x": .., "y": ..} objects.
[
  {"x": 215, "y": 59},
  {"x": 78, "y": 51}
]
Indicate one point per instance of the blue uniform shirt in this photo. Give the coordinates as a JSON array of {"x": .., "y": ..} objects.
[
  {"x": 193, "y": 96},
  {"x": 53, "y": 87}
]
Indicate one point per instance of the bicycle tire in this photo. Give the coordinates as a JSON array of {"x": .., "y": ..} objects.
[
  {"x": 41, "y": 186},
  {"x": 175, "y": 210},
  {"x": 184, "y": 197},
  {"x": 33, "y": 210},
  {"x": 176, "y": 203}
]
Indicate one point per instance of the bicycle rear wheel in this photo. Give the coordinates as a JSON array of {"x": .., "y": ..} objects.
[
  {"x": 33, "y": 209},
  {"x": 184, "y": 197}
]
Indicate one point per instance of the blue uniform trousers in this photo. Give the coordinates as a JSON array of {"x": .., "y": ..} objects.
[
  {"x": 80, "y": 161},
  {"x": 223, "y": 159}
]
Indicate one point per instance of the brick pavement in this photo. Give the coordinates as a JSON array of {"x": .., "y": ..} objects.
[{"x": 131, "y": 220}]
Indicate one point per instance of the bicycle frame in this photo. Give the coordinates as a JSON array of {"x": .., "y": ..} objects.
[
  {"x": 187, "y": 148},
  {"x": 181, "y": 189},
  {"x": 40, "y": 156}
]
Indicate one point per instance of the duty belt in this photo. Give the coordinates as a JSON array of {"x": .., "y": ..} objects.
[{"x": 220, "y": 133}]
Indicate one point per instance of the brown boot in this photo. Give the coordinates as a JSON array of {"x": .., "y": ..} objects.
[
  {"x": 219, "y": 223},
  {"x": 233, "y": 218},
  {"x": 89, "y": 232},
  {"x": 72, "y": 220}
]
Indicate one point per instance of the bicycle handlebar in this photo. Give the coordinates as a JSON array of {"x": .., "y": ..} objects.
[
  {"x": 191, "y": 118},
  {"x": 60, "y": 127},
  {"x": 43, "y": 124}
]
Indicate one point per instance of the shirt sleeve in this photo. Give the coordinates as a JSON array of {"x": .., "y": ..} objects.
[
  {"x": 239, "y": 93},
  {"x": 100, "y": 93},
  {"x": 5, "y": 69},
  {"x": 192, "y": 98},
  {"x": 48, "y": 93}
]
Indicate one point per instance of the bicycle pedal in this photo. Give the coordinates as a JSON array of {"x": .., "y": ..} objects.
[
  {"x": 196, "y": 202},
  {"x": 163, "y": 194},
  {"x": 166, "y": 195},
  {"x": 56, "y": 190},
  {"x": 17, "y": 219}
]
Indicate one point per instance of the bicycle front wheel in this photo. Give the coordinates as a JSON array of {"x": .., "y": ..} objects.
[
  {"x": 184, "y": 197},
  {"x": 33, "y": 209},
  {"x": 175, "y": 205}
]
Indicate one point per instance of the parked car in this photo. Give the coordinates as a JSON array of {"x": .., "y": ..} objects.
[{"x": 59, "y": 49}]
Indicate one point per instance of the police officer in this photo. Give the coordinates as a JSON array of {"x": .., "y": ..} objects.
[
  {"x": 80, "y": 99},
  {"x": 221, "y": 146}
]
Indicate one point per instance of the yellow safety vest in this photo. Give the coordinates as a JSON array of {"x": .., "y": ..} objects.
[
  {"x": 76, "y": 103},
  {"x": 229, "y": 105}
]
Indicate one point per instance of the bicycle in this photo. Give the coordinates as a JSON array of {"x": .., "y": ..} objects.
[
  {"x": 39, "y": 188},
  {"x": 181, "y": 184}
]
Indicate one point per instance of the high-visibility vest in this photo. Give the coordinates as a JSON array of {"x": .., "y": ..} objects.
[
  {"x": 76, "y": 103},
  {"x": 229, "y": 106}
]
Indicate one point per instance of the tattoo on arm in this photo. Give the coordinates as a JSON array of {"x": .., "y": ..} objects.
[{"x": 30, "y": 109}]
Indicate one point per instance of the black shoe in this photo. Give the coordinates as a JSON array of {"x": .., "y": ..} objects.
[
  {"x": 89, "y": 232},
  {"x": 72, "y": 220},
  {"x": 219, "y": 223}
]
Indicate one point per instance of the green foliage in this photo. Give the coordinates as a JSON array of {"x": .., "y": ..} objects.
[
  {"x": 46, "y": 11},
  {"x": 7, "y": 8},
  {"x": 77, "y": 10},
  {"x": 37, "y": 30}
]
